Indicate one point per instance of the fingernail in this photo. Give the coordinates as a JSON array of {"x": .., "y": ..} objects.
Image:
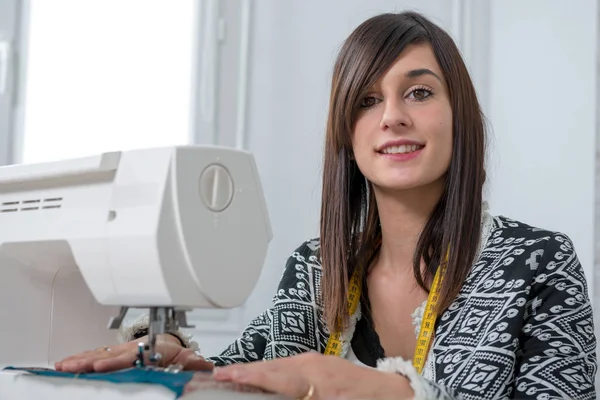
[
  {"x": 57, "y": 365},
  {"x": 73, "y": 364},
  {"x": 224, "y": 373},
  {"x": 68, "y": 365}
]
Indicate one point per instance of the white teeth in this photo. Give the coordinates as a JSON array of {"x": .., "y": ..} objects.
[{"x": 401, "y": 149}]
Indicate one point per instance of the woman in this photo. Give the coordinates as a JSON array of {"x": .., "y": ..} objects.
[{"x": 409, "y": 265}]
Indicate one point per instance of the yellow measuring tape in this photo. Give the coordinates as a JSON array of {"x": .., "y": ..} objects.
[
  {"x": 334, "y": 344},
  {"x": 427, "y": 323}
]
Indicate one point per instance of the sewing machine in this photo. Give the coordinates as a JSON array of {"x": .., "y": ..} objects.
[{"x": 84, "y": 240}]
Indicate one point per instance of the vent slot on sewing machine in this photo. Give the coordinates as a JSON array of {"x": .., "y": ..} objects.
[{"x": 31, "y": 205}]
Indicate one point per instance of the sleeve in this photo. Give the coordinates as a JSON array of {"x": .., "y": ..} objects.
[
  {"x": 424, "y": 389},
  {"x": 252, "y": 343},
  {"x": 558, "y": 357}
]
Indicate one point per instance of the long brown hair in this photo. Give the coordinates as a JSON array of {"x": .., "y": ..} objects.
[{"x": 349, "y": 216}]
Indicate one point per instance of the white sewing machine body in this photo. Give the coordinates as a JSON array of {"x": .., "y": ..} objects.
[{"x": 182, "y": 227}]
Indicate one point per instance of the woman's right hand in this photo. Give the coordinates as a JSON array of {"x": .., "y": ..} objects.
[{"x": 123, "y": 356}]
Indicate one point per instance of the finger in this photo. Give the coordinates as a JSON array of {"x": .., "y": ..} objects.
[
  {"x": 123, "y": 360},
  {"x": 77, "y": 356},
  {"x": 269, "y": 376},
  {"x": 82, "y": 362},
  {"x": 92, "y": 353},
  {"x": 191, "y": 361},
  {"x": 86, "y": 364},
  {"x": 264, "y": 366},
  {"x": 289, "y": 385},
  {"x": 80, "y": 356}
]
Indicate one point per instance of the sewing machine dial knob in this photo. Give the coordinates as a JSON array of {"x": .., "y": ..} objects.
[{"x": 216, "y": 187}]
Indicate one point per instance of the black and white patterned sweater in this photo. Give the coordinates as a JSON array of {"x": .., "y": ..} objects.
[{"x": 521, "y": 326}]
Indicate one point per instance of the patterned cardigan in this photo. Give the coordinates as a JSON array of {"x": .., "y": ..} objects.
[{"x": 521, "y": 327}]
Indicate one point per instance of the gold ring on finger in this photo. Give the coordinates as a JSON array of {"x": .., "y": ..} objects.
[{"x": 309, "y": 395}]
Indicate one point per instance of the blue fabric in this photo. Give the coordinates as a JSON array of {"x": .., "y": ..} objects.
[{"x": 174, "y": 382}]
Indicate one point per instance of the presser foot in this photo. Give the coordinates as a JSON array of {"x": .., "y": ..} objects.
[
  {"x": 154, "y": 358},
  {"x": 154, "y": 361}
]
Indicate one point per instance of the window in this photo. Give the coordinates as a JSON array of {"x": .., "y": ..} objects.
[{"x": 105, "y": 75}]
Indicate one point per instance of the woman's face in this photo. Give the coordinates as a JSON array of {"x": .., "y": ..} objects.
[{"x": 402, "y": 138}]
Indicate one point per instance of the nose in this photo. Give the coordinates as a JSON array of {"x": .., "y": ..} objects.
[{"x": 394, "y": 116}]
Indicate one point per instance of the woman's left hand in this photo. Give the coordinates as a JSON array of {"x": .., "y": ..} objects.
[{"x": 315, "y": 376}]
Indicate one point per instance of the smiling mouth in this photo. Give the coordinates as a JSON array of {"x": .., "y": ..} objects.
[{"x": 402, "y": 149}]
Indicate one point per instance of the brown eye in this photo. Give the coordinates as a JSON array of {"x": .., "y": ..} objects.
[
  {"x": 368, "y": 102},
  {"x": 420, "y": 94}
]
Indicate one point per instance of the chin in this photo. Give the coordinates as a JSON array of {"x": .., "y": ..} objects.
[
  {"x": 407, "y": 183},
  {"x": 397, "y": 186}
]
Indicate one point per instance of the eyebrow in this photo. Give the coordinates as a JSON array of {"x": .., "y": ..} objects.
[{"x": 420, "y": 72}]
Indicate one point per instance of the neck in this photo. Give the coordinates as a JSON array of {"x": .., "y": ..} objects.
[{"x": 403, "y": 217}]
